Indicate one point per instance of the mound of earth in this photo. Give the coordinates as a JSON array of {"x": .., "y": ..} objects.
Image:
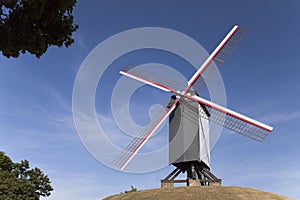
[{"x": 196, "y": 193}]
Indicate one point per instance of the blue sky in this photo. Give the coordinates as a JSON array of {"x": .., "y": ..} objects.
[{"x": 261, "y": 78}]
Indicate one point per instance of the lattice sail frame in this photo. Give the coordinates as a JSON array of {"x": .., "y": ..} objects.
[
  {"x": 219, "y": 59},
  {"x": 218, "y": 114},
  {"x": 230, "y": 120},
  {"x": 140, "y": 138},
  {"x": 151, "y": 77}
]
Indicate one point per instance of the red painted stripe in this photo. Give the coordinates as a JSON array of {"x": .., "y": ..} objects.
[
  {"x": 228, "y": 113},
  {"x": 200, "y": 72},
  {"x": 154, "y": 83},
  {"x": 149, "y": 134}
]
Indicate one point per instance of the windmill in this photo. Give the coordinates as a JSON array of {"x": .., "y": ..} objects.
[{"x": 189, "y": 117}]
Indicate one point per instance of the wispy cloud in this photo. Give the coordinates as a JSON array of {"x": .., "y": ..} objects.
[
  {"x": 281, "y": 181},
  {"x": 80, "y": 40},
  {"x": 59, "y": 100},
  {"x": 281, "y": 117},
  {"x": 80, "y": 186}
]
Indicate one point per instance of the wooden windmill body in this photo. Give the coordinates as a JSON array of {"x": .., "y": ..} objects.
[{"x": 189, "y": 142}]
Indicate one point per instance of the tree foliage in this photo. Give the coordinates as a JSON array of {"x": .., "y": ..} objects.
[
  {"x": 34, "y": 25},
  {"x": 18, "y": 181}
]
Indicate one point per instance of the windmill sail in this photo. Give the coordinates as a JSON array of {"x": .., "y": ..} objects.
[
  {"x": 152, "y": 79},
  {"x": 219, "y": 59},
  {"x": 231, "y": 120},
  {"x": 136, "y": 144}
]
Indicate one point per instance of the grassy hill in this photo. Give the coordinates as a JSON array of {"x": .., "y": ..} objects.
[{"x": 196, "y": 193}]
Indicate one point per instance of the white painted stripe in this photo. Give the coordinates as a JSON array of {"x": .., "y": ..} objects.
[
  {"x": 149, "y": 135},
  {"x": 232, "y": 113},
  {"x": 211, "y": 57},
  {"x": 145, "y": 81}
]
